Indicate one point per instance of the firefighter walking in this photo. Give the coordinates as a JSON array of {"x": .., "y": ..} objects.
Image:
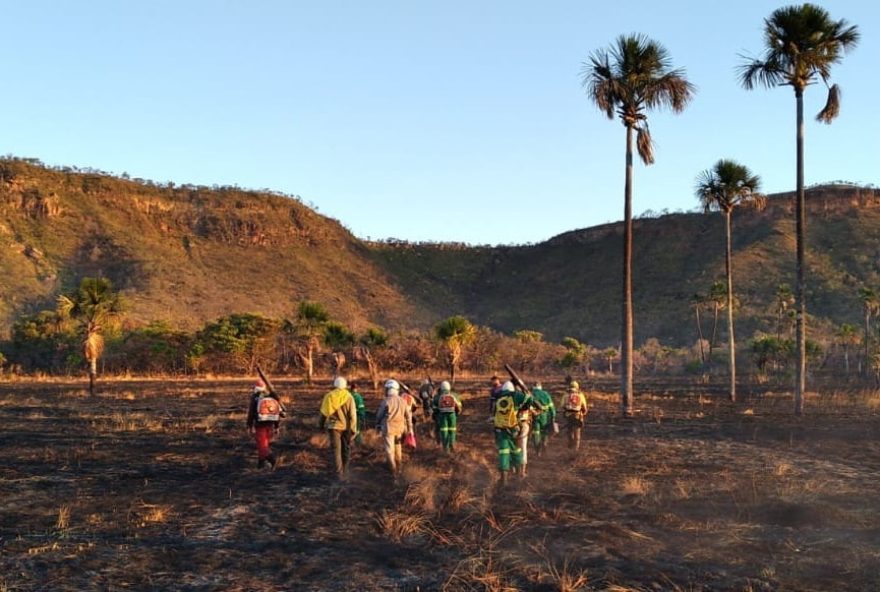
[{"x": 447, "y": 407}]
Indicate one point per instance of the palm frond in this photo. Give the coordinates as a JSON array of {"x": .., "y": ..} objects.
[
  {"x": 832, "y": 105},
  {"x": 645, "y": 145},
  {"x": 760, "y": 73}
]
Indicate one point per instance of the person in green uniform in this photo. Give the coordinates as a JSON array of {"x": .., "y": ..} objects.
[
  {"x": 361, "y": 411},
  {"x": 506, "y": 420},
  {"x": 447, "y": 406},
  {"x": 543, "y": 424}
]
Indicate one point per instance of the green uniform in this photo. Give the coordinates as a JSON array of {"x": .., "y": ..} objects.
[
  {"x": 510, "y": 452},
  {"x": 361, "y": 415},
  {"x": 446, "y": 407},
  {"x": 542, "y": 426}
]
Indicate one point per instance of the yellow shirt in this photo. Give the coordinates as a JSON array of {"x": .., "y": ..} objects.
[{"x": 339, "y": 411}]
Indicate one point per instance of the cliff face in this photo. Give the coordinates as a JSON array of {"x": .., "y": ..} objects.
[
  {"x": 183, "y": 254},
  {"x": 190, "y": 254}
]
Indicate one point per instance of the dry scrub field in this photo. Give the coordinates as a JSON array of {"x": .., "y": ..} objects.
[{"x": 152, "y": 485}]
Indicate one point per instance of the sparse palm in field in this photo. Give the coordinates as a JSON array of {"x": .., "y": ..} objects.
[
  {"x": 94, "y": 305},
  {"x": 338, "y": 338},
  {"x": 724, "y": 187},
  {"x": 455, "y": 333},
  {"x": 801, "y": 44},
  {"x": 375, "y": 338},
  {"x": 784, "y": 302},
  {"x": 311, "y": 319},
  {"x": 871, "y": 305},
  {"x": 627, "y": 80},
  {"x": 846, "y": 336}
]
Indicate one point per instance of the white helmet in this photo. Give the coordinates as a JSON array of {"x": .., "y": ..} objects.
[
  {"x": 445, "y": 386},
  {"x": 392, "y": 384},
  {"x": 507, "y": 387},
  {"x": 339, "y": 382}
]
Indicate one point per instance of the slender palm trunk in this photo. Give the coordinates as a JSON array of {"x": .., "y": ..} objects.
[
  {"x": 867, "y": 337},
  {"x": 93, "y": 374},
  {"x": 626, "y": 358},
  {"x": 310, "y": 364},
  {"x": 700, "y": 335},
  {"x": 800, "y": 289},
  {"x": 731, "y": 344}
]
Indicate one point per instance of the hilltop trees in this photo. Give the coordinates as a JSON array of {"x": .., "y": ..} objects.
[
  {"x": 628, "y": 79},
  {"x": 94, "y": 306},
  {"x": 723, "y": 187},
  {"x": 801, "y": 44}
]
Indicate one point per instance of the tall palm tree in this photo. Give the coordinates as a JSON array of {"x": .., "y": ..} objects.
[
  {"x": 455, "y": 333},
  {"x": 94, "y": 306},
  {"x": 802, "y": 43},
  {"x": 723, "y": 187},
  {"x": 628, "y": 79}
]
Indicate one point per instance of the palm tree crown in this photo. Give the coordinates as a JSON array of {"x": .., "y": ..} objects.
[
  {"x": 727, "y": 185},
  {"x": 802, "y": 42},
  {"x": 631, "y": 77}
]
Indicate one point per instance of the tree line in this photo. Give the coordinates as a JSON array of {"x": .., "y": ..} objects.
[{"x": 88, "y": 329}]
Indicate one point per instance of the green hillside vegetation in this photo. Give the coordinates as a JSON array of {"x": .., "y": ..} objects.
[
  {"x": 570, "y": 285},
  {"x": 186, "y": 256}
]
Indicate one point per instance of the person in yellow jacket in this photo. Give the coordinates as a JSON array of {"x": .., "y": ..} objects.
[
  {"x": 574, "y": 407},
  {"x": 339, "y": 417}
]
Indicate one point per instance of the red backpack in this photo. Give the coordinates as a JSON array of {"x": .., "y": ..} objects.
[
  {"x": 573, "y": 402},
  {"x": 268, "y": 409},
  {"x": 446, "y": 404}
]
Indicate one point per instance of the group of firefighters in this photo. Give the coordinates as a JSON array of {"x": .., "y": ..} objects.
[{"x": 518, "y": 416}]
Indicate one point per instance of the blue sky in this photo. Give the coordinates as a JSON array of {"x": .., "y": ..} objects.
[{"x": 453, "y": 120}]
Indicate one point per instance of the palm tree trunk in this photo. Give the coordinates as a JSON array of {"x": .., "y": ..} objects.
[
  {"x": 731, "y": 344},
  {"x": 626, "y": 358},
  {"x": 93, "y": 373},
  {"x": 867, "y": 336},
  {"x": 800, "y": 288},
  {"x": 700, "y": 336}
]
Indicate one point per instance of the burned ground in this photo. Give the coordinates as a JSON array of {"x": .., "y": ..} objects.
[{"x": 152, "y": 485}]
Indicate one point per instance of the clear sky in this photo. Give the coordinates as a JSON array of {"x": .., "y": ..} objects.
[{"x": 447, "y": 120}]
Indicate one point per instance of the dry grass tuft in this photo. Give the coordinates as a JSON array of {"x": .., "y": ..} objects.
[
  {"x": 782, "y": 468},
  {"x": 63, "y": 520},
  {"x": 565, "y": 577},
  {"x": 398, "y": 526},
  {"x": 422, "y": 490},
  {"x": 634, "y": 486},
  {"x": 319, "y": 441},
  {"x": 307, "y": 461},
  {"x": 480, "y": 571},
  {"x": 155, "y": 514}
]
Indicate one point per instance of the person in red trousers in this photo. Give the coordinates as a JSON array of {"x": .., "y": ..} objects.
[{"x": 264, "y": 416}]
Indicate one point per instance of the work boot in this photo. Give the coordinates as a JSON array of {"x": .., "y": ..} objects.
[
  {"x": 503, "y": 477},
  {"x": 272, "y": 461},
  {"x": 261, "y": 463}
]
